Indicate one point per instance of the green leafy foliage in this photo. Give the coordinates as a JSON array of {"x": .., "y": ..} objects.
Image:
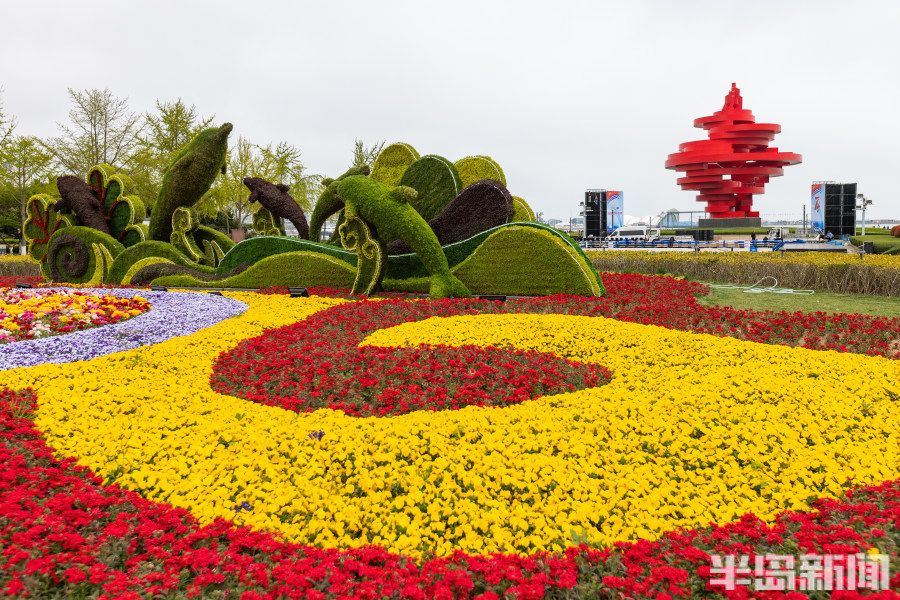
[
  {"x": 476, "y": 168},
  {"x": 366, "y": 155},
  {"x": 164, "y": 133},
  {"x": 436, "y": 181},
  {"x": 103, "y": 131},
  {"x": 393, "y": 162},
  {"x": 24, "y": 166}
]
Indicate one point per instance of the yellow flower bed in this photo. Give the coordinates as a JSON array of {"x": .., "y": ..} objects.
[{"x": 692, "y": 428}]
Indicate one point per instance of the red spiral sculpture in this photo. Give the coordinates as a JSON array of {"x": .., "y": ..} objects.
[{"x": 734, "y": 163}]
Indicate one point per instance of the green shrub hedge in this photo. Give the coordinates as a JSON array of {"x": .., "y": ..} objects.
[
  {"x": 884, "y": 244},
  {"x": 519, "y": 261},
  {"x": 291, "y": 269},
  {"x": 256, "y": 249},
  {"x": 132, "y": 259},
  {"x": 407, "y": 267}
]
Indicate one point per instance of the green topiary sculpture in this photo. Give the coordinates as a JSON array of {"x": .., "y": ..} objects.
[
  {"x": 357, "y": 236},
  {"x": 328, "y": 203},
  {"x": 201, "y": 244},
  {"x": 392, "y": 162},
  {"x": 522, "y": 213},
  {"x": 393, "y": 217},
  {"x": 42, "y": 222},
  {"x": 124, "y": 213},
  {"x": 476, "y": 168},
  {"x": 80, "y": 255},
  {"x": 189, "y": 176},
  {"x": 265, "y": 223},
  {"x": 437, "y": 183}
]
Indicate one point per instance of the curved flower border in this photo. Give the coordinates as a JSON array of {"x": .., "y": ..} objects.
[{"x": 172, "y": 314}]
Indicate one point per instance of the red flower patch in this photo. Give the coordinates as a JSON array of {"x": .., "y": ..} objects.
[{"x": 317, "y": 364}]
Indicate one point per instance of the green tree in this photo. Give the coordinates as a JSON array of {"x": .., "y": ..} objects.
[
  {"x": 24, "y": 163},
  {"x": 103, "y": 130},
  {"x": 163, "y": 134},
  {"x": 9, "y": 211},
  {"x": 280, "y": 163},
  {"x": 366, "y": 155}
]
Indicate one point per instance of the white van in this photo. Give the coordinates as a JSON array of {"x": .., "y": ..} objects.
[{"x": 636, "y": 233}]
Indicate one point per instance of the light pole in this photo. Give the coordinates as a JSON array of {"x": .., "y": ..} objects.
[{"x": 863, "y": 203}]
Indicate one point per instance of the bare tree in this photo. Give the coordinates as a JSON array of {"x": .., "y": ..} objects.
[
  {"x": 103, "y": 130},
  {"x": 7, "y": 125}
]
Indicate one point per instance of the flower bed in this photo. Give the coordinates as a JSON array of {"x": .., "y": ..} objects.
[
  {"x": 27, "y": 314},
  {"x": 691, "y": 429},
  {"x": 173, "y": 314},
  {"x": 65, "y": 532},
  {"x": 317, "y": 364}
]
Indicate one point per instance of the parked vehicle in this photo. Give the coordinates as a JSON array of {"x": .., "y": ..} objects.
[
  {"x": 780, "y": 233},
  {"x": 635, "y": 233}
]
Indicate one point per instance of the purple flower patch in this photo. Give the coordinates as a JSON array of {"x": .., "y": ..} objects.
[{"x": 172, "y": 314}]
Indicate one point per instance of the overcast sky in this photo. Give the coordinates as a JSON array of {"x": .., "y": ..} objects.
[{"x": 564, "y": 95}]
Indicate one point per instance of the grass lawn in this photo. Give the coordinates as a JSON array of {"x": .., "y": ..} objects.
[
  {"x": 884, "y": 244},
  {"x": 878, "y": 306}
]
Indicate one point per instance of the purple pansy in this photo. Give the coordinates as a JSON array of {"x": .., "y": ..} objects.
[{"x": 171, "y": 314}]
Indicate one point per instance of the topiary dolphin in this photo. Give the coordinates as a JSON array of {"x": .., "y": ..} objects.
[
  {"x": 189, "y": 176},
  {"x": 275, "y": 199},
  {"x": 388, "y": 210},
  {"x": 329, "y": 203}
]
